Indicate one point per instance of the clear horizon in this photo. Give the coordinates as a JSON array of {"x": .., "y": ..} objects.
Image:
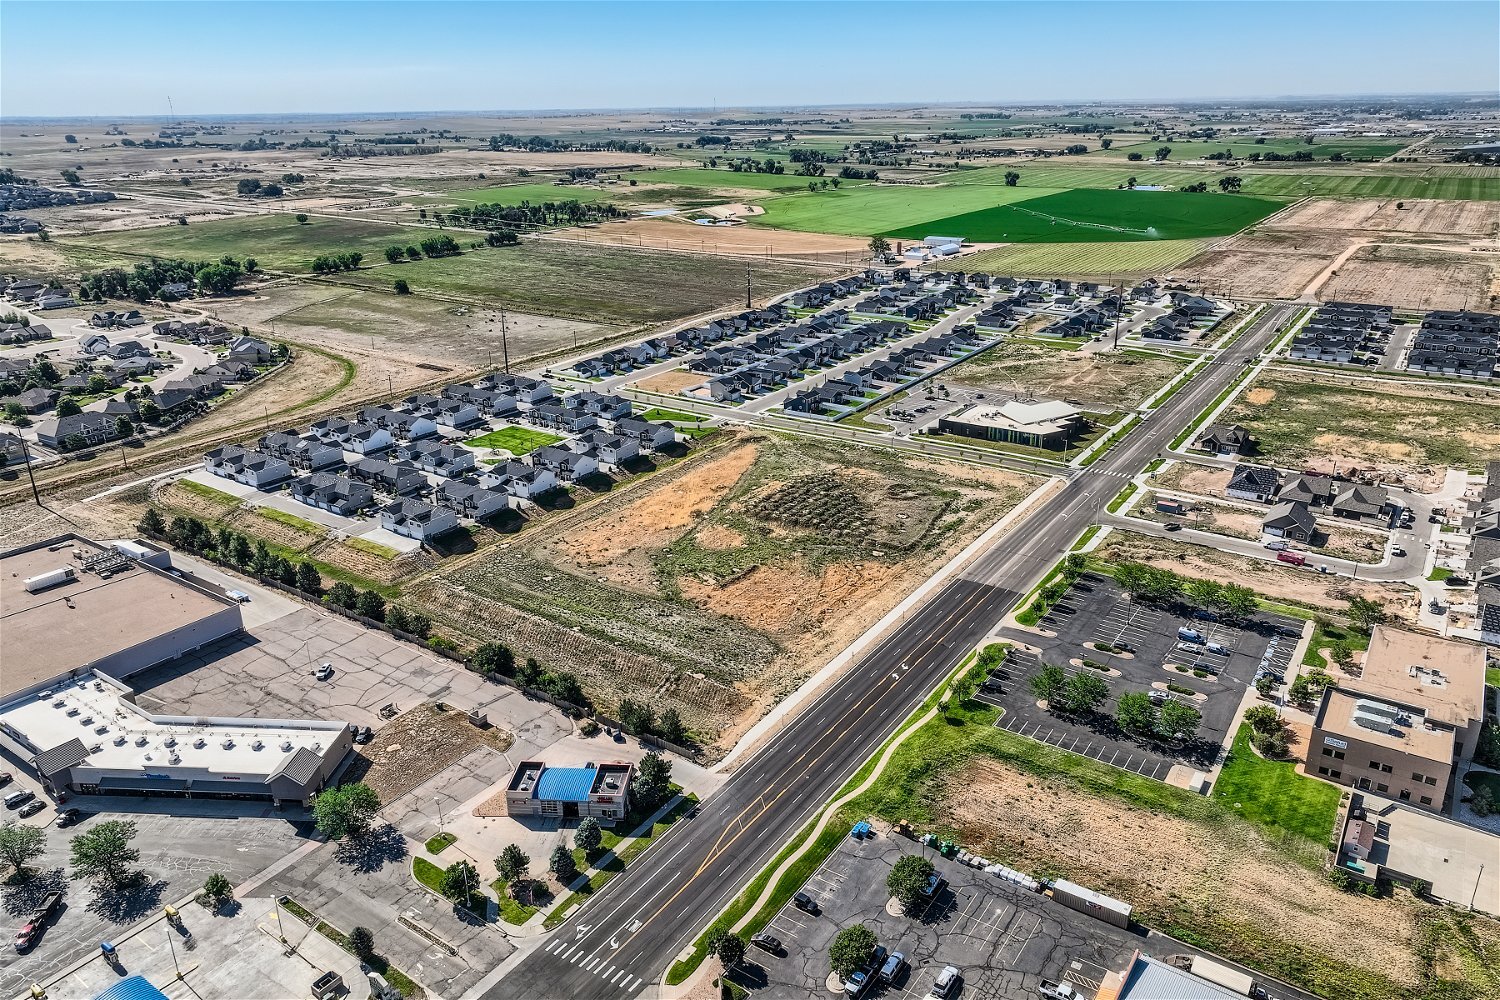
[{"x": 360, "y": 58}]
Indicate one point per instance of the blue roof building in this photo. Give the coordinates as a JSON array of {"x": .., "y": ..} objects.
[
  {"x": 131, "y": 988},
  {"x": 601, "y": 791}
]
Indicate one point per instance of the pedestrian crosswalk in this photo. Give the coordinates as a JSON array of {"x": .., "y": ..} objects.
[{"x": 602, "y": 966}]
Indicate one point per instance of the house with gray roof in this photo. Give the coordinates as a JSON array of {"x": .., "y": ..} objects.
[{"x": 1290, "y": 520}]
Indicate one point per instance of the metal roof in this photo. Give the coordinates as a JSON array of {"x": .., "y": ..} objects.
[
  {"x": 1152, "y": 980},
  {"x": 565, "y": 784},
  {"x": 61, "y": 757},
  {"x": 133, "y": 988}
]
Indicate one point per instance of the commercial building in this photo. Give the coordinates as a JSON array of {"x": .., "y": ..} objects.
[
  {"x": 87, "y": 736},
  {"x": 1398, "y": 729},
  {"x": 1049, "y": 423},
  {"x": 77, "y": 618},
  {"x": 600, "y": 790},
  {"x": 113, "y": 612}
]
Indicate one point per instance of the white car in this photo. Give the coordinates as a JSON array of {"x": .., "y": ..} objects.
[
  {"x": 238, "y": 595},
  {"x": 324, "y": 671}
]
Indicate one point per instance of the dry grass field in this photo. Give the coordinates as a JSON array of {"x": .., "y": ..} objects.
[
  {"x": 715, "y": 587},
  {"x": 1253, "y": 274},
  {"x": 1110, "y": 380},
  {"x": 1438, "y": 218},
  {"x": 1410, "y": 278}
]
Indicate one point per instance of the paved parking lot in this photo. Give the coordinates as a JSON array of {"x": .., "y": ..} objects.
[
  {"x": 1096, "y": 611},
  {"x": 1003, "y": 938},
  {"x": 177, "y": 853}
]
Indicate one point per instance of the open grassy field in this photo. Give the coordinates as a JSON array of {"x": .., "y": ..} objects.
[
  {"x": 1372, "y": 148},
  {"x": 594, "y": 283},
  {"x": 1148, "y": 257},
  {"x": 516, "y": 440},
  {"x": 277, "y": 242},
  {"x": 514, "y": 194},
  {"x": 1305, "y": 419},
  {"x": 728, "y": 180},
  {"x": 1271, "y": 792},
  {"x": 1093, "y": 216},
  {"x": 1283, "y": 181},
  {"x": 865, "y": 211},
  {"x": 1114, "y": 379}
]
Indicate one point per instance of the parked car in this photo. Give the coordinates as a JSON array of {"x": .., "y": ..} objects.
[
  {"x": 935, "y": 883},
  {"x": 893, "y": 967},
  {"x": 363, "y": 735},
  {"x": 18, "y": 798},
  {"x": 30, "y": 931},
  {"x": 238, "y": 595},
  {"x": 1397, "y": 550},
  {"x": 32, "y": 808},
  {"x": 1174, "y": 526},
  {"x": 947, "y": 983},
  {"x": 805, "y": 903},
  {"x": 6, "y": 778},
  {"x": 765, "y": 942},
  {"x": 324, "y": 672},
  {"x": 69, "y": 817}
]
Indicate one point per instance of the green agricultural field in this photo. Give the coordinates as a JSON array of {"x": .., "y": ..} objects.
[
  {"x": 867, "y": 210},
  {"x": 514, "y": 194},
  {"x": 277, "y": 242},
  {"x": 1353, "y": 149},
  {"x": 516, "y": 440},
  {"x": 1069, "y": 172},
  {"x": 1098, "y": 216},
  {"x": 597, "y": 284},
  {"x": 1286, "y": 184},
  {"x": 729, "y": 180},
  {"x": 1064, "y": 259}
]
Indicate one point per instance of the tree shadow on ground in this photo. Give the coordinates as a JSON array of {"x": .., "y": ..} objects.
[
  {"x": 22, "y": 896},
  {"x": 374, "y": 850},
  {"x": 128, "y": 901}
]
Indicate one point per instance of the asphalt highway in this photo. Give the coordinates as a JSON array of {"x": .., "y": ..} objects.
[{"x": 632, "y": 930}]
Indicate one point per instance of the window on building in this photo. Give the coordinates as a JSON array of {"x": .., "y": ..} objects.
[
  {"x": 1430, "y": 780},
  {"x": 1374, "y": 765},
  {"x": 1335, "y": 774},
  {"x": 1405, "y": 795},
  {"x": 1381, "y": 788},
  {"x": 1338, "y": 755},
  {"x": 1323, "y": 770},
  {"x": 1426, "y": 800},
  {"x": 1416, "y": 776}
]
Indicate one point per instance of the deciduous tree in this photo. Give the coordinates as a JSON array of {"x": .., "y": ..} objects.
[{"x": 346, "y": 811}]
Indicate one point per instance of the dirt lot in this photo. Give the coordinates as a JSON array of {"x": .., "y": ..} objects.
[
  {"x": 1277, "y": 582},
  {"x": 1189, "y": 477},
  {"x": 670, "y": 382},
  {"x": 674, "y": 234},
  {"x": 1233, "y": 522},
  {"x": 416, "y": 745},
  {"x": 1111, "y": 380},
  {"x": 1253, "y": 274},
  {"x": 1223, "y": 877},
  {"x": 1460, "y": 218},
  {"x": 717, "y": 586},
  {"x": 1414, "y": 279},
  {"x": 1403, "y": 431}
]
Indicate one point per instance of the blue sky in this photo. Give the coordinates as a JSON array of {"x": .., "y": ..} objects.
[{"x": 124, "y": 58}]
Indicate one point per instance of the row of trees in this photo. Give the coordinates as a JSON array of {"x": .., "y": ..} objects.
[
  {"x": 858, "y": 174},
  {"x": 497, "y": 658},
  {"x": 252, "y": 188},
  {"x": 1161, "y": 586},
  {"x": 332, "y": 263},
  {"x": 147, "y": 280},
  {"x": 546, "y": 213},
  {"x": 104, "y": 854}
]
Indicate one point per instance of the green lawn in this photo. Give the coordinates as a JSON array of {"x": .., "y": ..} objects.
[
  {"x": 592, "y": 283},
  {"x": 659, "y": 414},
  {"x": 372, "y": 548},
  {"x": 1492, "y": 676},
  {"x": 514, "y": 194},
  {"x": 511, "y": 911},
  {"x": 516, "y": 440},
  {"x": 709, "y": 177},
  {"x": 277, "y": 242},
  {"x": 440, "y": 842},
  {"x": 431, "y": 876},
  {"x": 1095, "y": 216},
  {"x": 1273, "y": 794},
  {"x": 865, "y": 211}
]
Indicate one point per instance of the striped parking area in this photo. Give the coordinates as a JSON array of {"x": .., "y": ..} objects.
[{"x": 1105, "y": 751}]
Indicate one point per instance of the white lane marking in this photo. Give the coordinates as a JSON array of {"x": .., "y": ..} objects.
[{"x": 617, "y": 975}]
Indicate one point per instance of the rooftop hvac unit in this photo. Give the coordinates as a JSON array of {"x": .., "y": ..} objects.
[
  {"x": 100, "y": 730},
  {"x": 120, "y": 740},
  {"x": 72, "y": 712},
  {"x": 59, "y": 703},
  {"x": 170, "y": 741},
  {"x": 174, "y": 759},
  {"x": 87, "y": 720},
  {"x": 44, "y": 695},
  {"x": 228, "y": 744},
  {"x": 257, "y": 745},
  {"x": 286, "y": 746},
  {"x": 140, "y": 741},
  {"x": 200, "y": 743}
]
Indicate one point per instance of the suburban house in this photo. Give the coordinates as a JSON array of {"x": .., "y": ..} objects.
[
  {"x": 435, "y": 457},
  {"x": 526, "y": 390},
  {"x": 1218, "y": 439},
  {"x": 93, "y": 428},
  {"x": 362, "y": 439},
  {"x": 248, "y": 467},
  {"x": 332, "y": 492},
  {"x": 416, "y": 519},
  {"x": 34, "y": 400},
  {"x": 1399, "y": 728},
  {"x": 399, "y": 478},
  {"x": 562, "y": 418},
  {"x": 1291, "y": 520},
  {"x": 474, "y": 502},
  {"x": 647, "y": 433},
  {"x": 519, "y": 480},
  {"x": 1364, "y": 503},
  {"x": 611, "y": 449},
  {"x": 249, "y": 349},
  {"x": 608, "y": 407},
  {"x": 402, "y": 426},
  {"x": 1253, "y": 482},
  {"x": 566, "y": 465},
  {"x": 303, "y": 453},
  {"x": 1456, "y": 343},
  {"x": 1312, "y": 490}
]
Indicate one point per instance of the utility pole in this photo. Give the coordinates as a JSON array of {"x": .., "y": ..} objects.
[
  {"x": 26, "y": 457},
  {"x": 505, "y": 339},
  {"x": 747, "y": 288}
]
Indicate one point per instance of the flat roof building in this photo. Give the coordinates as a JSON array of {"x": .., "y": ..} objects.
[
  {"x": 1398, "y": 728},
  {"x": 1048, "y": 423},
  {"x": 598, "y": 790},
  {"x": 113, "y": 613}
]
